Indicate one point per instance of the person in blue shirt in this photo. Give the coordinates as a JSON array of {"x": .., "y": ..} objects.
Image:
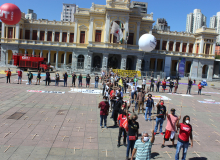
[{"x": 149, "y": 105}]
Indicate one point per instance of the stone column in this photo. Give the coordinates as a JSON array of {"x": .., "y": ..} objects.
[
  {"x": 126, "y": 28},
  {"x": 53, "y": 35},
  {"x": 105, "y": 61},
  {"x": 155, "y": 68},
  {"x": 33, "y": 54},
  {"x": 17, "y": 31},
  {"x": 201, "y": 46},
  {"x": 65, "y": 58},
  {"x": 213, "y": 47},
  {"x": 57, "y": 59},
  {"x": 123, "y": 61},
  {"x": 3, "y": 30},
  {"x": 75, "y": 30},
  {"x": 91, "y": 29},
  {"x": 74, "y": 61},
  {"x": 68, "y": 37},
  {"x": 61, "y": 35},
  {"x": 25, "y": 52},
  {"x": 210, "y": 72},
  {"x": 174, "y": 46},
  {"x": 107, "y": 28},
  {"x": 31, "y": 32},
  {"x": 161, "y": 44},
  {"x": 138, "y": 32},
  {"x": 49, "y": 56},
  {"x": 41, "y": 53},
  {"x": 6, "y": 32},
  {"x": 168, "y": 44},
  {"x": 138, "y": 64},
  {"x": 187, "y": 47},
  {"x": 38, "y": 34},
  {"x": 194, "y": 47},
  {"x": 163, "y": 65},
  {"x": 88, "y": 63},
  {"x": 45, "y": 37},
  {"x": 13, "y": 32},
  {"x": 181, "y": 47},
  {"x": 6, "y": 57}
]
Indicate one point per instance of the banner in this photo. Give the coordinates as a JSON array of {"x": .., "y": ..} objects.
[
  {"x": 125, "y": 73},
  {"x": 181, "y": 68}
]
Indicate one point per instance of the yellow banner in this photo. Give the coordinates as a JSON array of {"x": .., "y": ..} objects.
[{"x": 125, "y": 73}]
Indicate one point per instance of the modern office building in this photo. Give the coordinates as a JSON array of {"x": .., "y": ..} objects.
[
  {"x": 67, "y": 13},
  {"x": 195, "y": 21},
  {"x": 215, "y": 23},
  {"x": 30, "y": 14},
  {"x": 162, "y": 25},
  {"x": 87, "y": 43}
]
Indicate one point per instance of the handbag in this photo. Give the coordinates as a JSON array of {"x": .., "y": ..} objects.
[{"x": 132, "y": 138}]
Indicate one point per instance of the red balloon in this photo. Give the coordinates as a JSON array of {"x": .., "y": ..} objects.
[{"x": 10, "y": 14}]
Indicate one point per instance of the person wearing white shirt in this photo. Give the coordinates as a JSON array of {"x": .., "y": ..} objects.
[
  {"x": 144, "y": 83},
  {"x": 133, "y": 89}
]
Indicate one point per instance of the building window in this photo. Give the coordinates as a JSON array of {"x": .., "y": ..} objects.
[
  {"x": 71, "y": 37},
  {"x": 164, "y": 45},
  {"x": 80, "y": 62},
  {"x": 184, "y": 47},
  {"x": 190, "y": 48},
  {"x": 171, "y": 46},
  {"x": 82, "y": 37},
  {"x": 98, "y": 34},
  {"x": 21, "y": 34},
  {"x": 177, "y": 46},
  {"x": 41, "y": 35},
  {"x": 10, "y": 32},
  {"x": 207, "y": 49},
  {"x": 64, "y": 37},
  {"x": 131, "y": 39},
  {"x": 34, "y": 36},
  {"x": 158, "y": 45},
  {"x": 197, "y": 48},
  {"x": 49, "y": 36},
  {"x": 27, "y": 34},
  {"x": 57, "y": 36}
]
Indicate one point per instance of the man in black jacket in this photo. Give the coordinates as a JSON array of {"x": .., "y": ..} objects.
[{"x": 117, "y": 108}]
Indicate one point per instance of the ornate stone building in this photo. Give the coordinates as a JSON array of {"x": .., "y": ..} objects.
[{"x": 87, "y": 44}]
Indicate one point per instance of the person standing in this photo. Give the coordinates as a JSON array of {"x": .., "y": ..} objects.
[
  {"x": 144, "y": 83},
  {"x": 65, "y": 77},
  {"x": 19, "y": 76},
  {"x": 164, "y": 84},
  {"x": 149, "y": 106},
  {"x": 170, "y": 128},
  {"x": 125, "y": 84},
  {"x": 176, "y": 86},
  {"x": 199, "y": 88},
  {"x": 8, "y": 75},
  {"x": 140, "y": 99},
  {"x": 189, "y": 85},
  {"x": 121, "y": 118},
  {"x": 74, "y": 77},
  {"x": 96, "y": 81},
  {"x": 161, "y": 116},
  {"x": 185, "y": 133},
  {"x": 38, "y": 77},
  {"x": 152, "y": 84},
  {"x": 158, "y": 85},
  {"x": 117, "y": 108},
  {"x": 171, "y": 86},
  {"x": 103, "y": 86},
  {"x": 30, "y": 76},
  {"x": 133, "y": 89},
  {"x": 80, "y": 79},
  {"x": 143, "y": 147},
  {"x": 57, "y": 79},
  {"x": 104, "y": 109},
  {"x": 133, "y": 127},
  {"x": 47, "y": 78},
  {"x": 88, "y": 80}
]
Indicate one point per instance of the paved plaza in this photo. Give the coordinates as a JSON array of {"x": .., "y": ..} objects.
[{"x": 65, "y": 124}]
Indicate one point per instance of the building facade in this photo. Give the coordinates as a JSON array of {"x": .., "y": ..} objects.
[
  {"x": 215, "y": 23},
  {"x": 30, "y": 14},
  {"x": 162, "y": 25},
  {"x": 195, "y": 21},
  {"x": 68, "y": 12},
  {"x": 87, "y": 44}
]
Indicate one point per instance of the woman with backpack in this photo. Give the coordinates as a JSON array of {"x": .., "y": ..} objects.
[{"x": 30, "y": 77}]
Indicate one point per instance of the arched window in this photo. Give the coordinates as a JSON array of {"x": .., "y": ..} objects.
[
  {"x": 204, "y": 71},
  {"x": 97, "y": 62},
  {"x": 113, "y": 39},
  {"x": 80, "y": 62}
]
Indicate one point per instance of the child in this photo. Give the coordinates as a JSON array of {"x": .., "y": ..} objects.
[{"x": 199, "y": 88}]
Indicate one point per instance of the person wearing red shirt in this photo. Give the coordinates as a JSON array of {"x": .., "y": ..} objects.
[
  {"x": 164, "y": 85},
  {"x": 199, "y": 88},
  {"x": 104, "y": 108},
  {"x": 19, "y": 76},
  {"x": 121, "y": 118},
  {"x": 184, "y": 134}
]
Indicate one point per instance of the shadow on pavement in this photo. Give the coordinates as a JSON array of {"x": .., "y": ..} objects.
[{"x": 198, "y": 158}]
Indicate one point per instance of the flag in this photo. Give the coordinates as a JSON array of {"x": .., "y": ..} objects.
[{"x": 116, "y": 31}]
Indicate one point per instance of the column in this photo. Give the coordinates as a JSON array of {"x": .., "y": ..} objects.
[
  {"x": 6, "y": 32},
  {"x": 213, "y": 47},
  {"x": 155, "y": 68},
  {"x": 6, "y": 62},
  {"x": 89, "y": 62},
  {"x": 174, "y": 46},
  {"x": 13, "y": 32},
  {"x": 33, "y": 54},
  {"x": 123, "y": 61},
  {"x": 65, "y": 58},
  {"x": 107, "y": 27},
  {"x": 45, "y": 37},
  {"x": 163, "y": 64},
  {"x": 168, "y": 43},
  {"x": 138, "y": 64},
  {"x": 138, "y": 32},
  {"x": 3, "y": 30},
  {"x": 38, "y": 34},
  {"x": 68, "y": 37},
  {"x": 105, "y": 61},
  {"x": 17, "y": 31},
  {"x": 23, "y": 33},
  {"x": 201, "y": 46},
  {"x": 126, "y": 28},
  {"x": 74, "y": 61},
  {"x": 181, "y": 47},
  {"x": 187, "y": 47},
  {"x": 49, "y": 56},
  {"x": 53, "y": 34},
  {"x": 61, "y": 35},
  {"x": 194, "y": 47},
  {"x": 204, "y": 50},
  {"x": 41, "y": 53},
  {"x": 31, "y": 32},
  {"x": 91, "y": 29},
  {"x": 75, "y": 30},
  {"x": 161, "y": 44},
  {"x": 56, "y": 59}
]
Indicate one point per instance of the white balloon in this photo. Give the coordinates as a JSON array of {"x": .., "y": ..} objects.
[{"x": 147, "y": 42}]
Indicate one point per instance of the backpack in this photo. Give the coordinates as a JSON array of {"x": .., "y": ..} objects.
[
  {"x": 30, "y": 76},
  {"x": 65, "y": 75}
]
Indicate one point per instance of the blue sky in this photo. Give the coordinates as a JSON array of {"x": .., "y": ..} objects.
[{"x": 174, "y": 11}]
